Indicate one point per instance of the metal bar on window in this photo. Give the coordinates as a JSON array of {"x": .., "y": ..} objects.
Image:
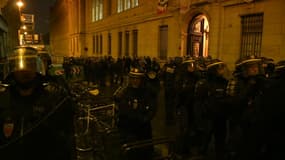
[{"x": 251, "y": 34}]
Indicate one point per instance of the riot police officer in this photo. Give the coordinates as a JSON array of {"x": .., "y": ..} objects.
[
  {"x": 136, "y": 108},
  {"x": 279, "y": 70},
  {"x": 267, "y": 140},
  {"x": 268, "y": 66},
  {"x": 153, "y": 79},
  {"x": 36, "y": 117},
  {"x": 186, "y": 79},
  {"x": 210, "y": 108},
  {"x": 168, "y": 74},
  {"x": 248, "y": 84}
]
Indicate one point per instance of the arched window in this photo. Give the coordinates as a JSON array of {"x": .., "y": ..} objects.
[{"x": 198, "y": 37}]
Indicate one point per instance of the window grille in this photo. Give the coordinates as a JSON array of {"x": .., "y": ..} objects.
[
  {"x": 251, "y": 34},
  {"x": 97, "y": 10},
  {"x": 123, "y": 5}
]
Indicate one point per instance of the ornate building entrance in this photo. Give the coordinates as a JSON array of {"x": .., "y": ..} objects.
[{"x": 198, "y": 36}]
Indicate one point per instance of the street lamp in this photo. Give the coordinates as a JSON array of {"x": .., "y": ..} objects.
[{"x": 20, "y": 4}]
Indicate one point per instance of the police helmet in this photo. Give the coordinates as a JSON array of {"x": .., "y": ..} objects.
[
  {"x": 252, "y": 59},
  {"x": 136, "y": 77},
  {"x": 216, "y": 67},
  {"x": 190, "y": 64},
  {"x": 246, "y": 65},
  {"x": 214, "y": 63},
  {"x": 280, "y": 68},
  {"x": 202, "y": 62},
  {"x": 137, "y": 72},
  {"x": 188, "y": 60},
  {"x": 25, "y": 59},
  {"x": 280, "y": 65}
]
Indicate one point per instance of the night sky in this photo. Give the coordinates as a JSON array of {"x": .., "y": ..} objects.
[{"x": 41, "y": 10}]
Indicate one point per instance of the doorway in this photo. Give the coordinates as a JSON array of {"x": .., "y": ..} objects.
[{"x": 198, "y": 37}]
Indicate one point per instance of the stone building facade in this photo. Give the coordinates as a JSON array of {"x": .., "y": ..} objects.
[
  {"x": 10, "y": 23},
  {"x": 225, "y": 29}
]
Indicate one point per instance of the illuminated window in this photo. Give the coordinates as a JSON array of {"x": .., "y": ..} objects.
[
  {"x": 134, "y": 3},
  {"x": 97, "y": 10},
  {"x": 120, "y": 6},
  {"x": 251, "y": 34},
  {"x": 123, "y": 5},
  {"x": 198, "y": 37}
]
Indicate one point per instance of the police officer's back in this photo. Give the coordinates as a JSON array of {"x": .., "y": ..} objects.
[
  {"x": 185, "y": 80},
  {"x": 167, "y": 76},
  {"x": 35, "y": 116},
  {"x": 248, "y": 84},
  {"x": 211, "y": 99},
  {"x": 267, "y": 140}
]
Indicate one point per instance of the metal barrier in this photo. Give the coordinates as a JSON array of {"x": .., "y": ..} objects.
[
  {"x": 165, "y": 146},
  {"x": 98, "y": 120}
]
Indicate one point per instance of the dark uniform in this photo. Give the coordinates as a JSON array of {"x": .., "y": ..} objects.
[
  {"x": 186, "y": 79},
  {"x": 269, "y": 66},
  {"x": 168, "y": 77},
  {"x": 36, "y": 117},
  {"x": 249, "y": 84},
  {"x": 136, "y": 108},
  {"x": 266, "y": 140},
  {"x": 210, "y": 108},
  {"x": 153, "y": 78}
]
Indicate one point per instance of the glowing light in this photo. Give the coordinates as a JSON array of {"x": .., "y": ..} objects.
[
  {"x": 20, "y": 4},
  {"x": 21, "y": 62}
]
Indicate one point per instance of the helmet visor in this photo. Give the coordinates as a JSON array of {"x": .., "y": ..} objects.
[{"x": 25, "y": 59}]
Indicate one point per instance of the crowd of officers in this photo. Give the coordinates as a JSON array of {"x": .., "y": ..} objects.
[{"x": 240, "y": 112}]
